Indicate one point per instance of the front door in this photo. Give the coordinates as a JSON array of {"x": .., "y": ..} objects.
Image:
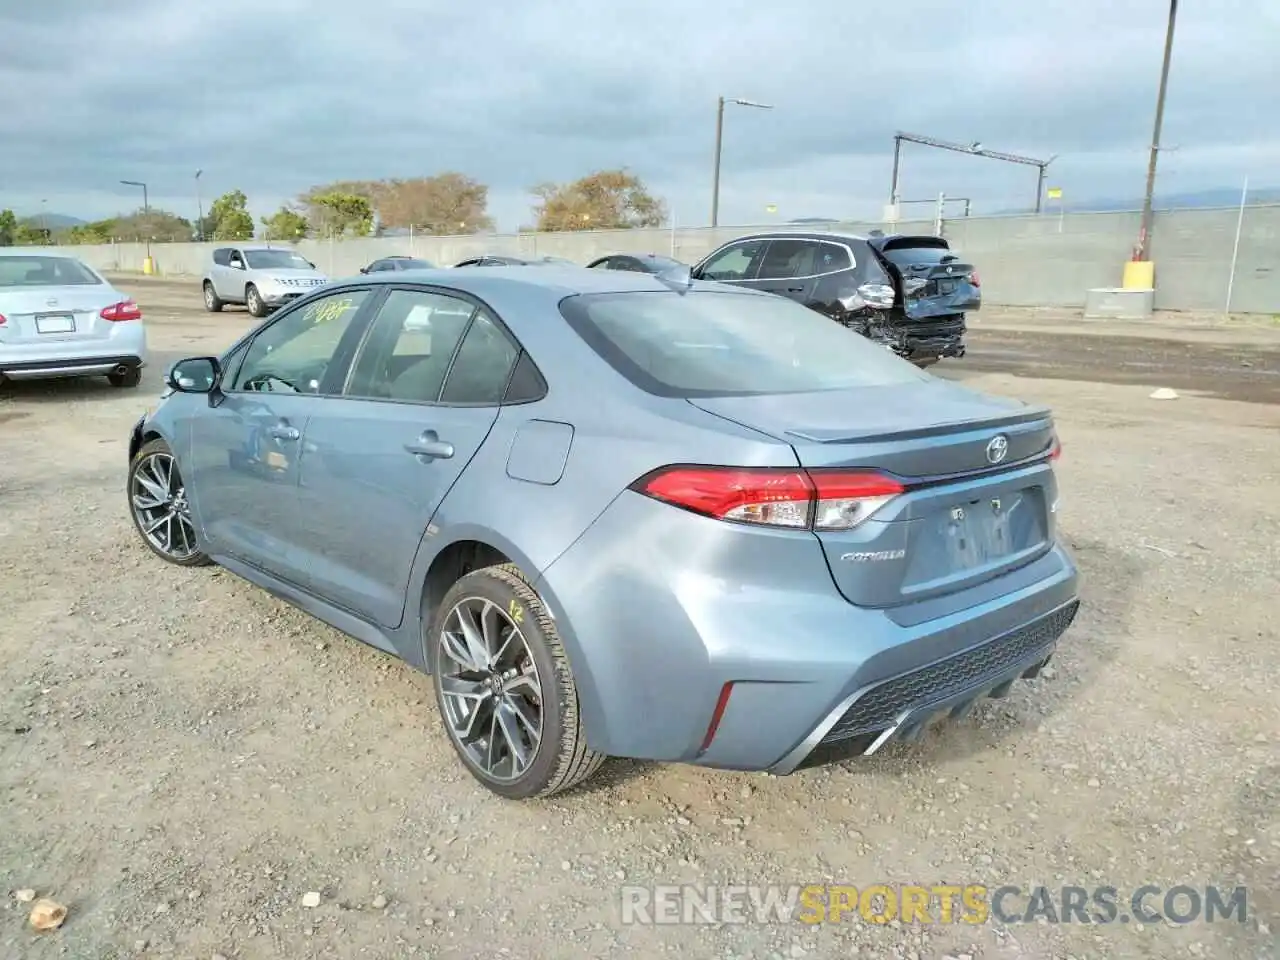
[
  {"x": 379, "y": 462},
  {"x": 246, "y": 450}
]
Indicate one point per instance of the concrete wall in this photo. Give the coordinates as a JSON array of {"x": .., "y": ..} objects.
[{"x": 1023, "y": 261}]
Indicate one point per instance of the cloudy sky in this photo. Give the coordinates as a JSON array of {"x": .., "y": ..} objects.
[{"x": 273, "y": 96}]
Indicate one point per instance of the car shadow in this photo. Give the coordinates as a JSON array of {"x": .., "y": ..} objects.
[{"x": 64, "y": 389}]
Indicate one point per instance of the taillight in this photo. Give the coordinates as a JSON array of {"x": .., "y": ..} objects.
[
  {"x": 975, "y": 279},
  {"x": 1055, "y": 449},
  {"x": 2, "y": 320},
  {"x": 124, "y": 310},
  {"x": 782, "y": 497}
]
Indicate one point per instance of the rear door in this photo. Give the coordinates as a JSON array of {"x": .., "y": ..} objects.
[
  {"x": 379, "y": 461},
  {"x": 936, "y": 282},
  {"x": 52, "y": 300}
]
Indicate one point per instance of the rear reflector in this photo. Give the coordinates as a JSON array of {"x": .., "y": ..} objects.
[
  {"x": 124, "y": 310},
  {"x": 774, "y": 497}
]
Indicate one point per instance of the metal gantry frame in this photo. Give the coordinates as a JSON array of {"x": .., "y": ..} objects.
[{"x": 972, "y": 149}]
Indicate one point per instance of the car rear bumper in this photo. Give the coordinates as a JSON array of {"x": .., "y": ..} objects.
[
  {"x": 126, "y": 346},
  {"x": 661, "y": 613},
  {"x": 81, "y": 367}
]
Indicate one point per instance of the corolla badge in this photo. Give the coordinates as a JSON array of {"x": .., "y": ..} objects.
[
  {"x": 873, "y": 555},
  {"x": 997, "y": 448}
]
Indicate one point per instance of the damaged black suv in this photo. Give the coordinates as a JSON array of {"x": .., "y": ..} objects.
[{"x": 910, "y": 293}]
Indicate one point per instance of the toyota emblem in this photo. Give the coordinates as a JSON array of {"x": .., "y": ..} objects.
[{"x": 997, "y": 448}]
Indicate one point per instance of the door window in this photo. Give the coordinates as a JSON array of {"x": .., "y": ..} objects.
[
  {"x": 292, "y": 354},
  {"x": 234, "y": 259},
  {"x": 733, "y": 263},
  {"x": 222, "y": 256},
  {"x": 407, "y": 354},
  {"x": 830, "y": 258},
  {"x": 483, "y": 365},
  {"x": 788, "y": 258}
]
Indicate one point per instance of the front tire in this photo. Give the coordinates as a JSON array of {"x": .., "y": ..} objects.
[
  {"x": 211, "y": 301},
  {"x": 505, "y": 689},
  {"x": 253, "y": 300},
  {"x": 159, "y": 507}
]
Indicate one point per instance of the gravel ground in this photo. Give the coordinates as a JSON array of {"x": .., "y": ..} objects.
[{"x": 184, "y": 759}]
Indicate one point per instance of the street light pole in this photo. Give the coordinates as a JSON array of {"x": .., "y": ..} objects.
[
  {"x": 715, "y": 176},
  {"x": 199, "y": 209},
  {"x": 1144, "y": 235},
  {"x": 974, "y": 150}
]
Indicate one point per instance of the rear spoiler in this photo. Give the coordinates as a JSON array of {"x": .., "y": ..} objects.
[{"x": 898, "y": 240}]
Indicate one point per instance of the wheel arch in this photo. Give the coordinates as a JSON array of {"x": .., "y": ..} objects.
[{"x": 439, "y": 561}]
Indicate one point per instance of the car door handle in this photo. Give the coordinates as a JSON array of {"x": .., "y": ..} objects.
[
  {"x": 795, "y": 289},
  {"x": 282, "y": 431},
  {"x": 430, "y": 446}
]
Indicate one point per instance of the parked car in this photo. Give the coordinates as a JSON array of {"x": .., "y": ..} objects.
[
  {"x": 910, "y": 293},
  {"x": 611, "y": 514},
  {"x": 637, "y": 263},
  {"x": 61, "y": 318},
  {"x": 262, "y": 277},
  {"x": 492, "y": 261},
  {"x": 398, "y": 263}
]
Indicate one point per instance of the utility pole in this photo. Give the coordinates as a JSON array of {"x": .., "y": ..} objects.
[
  {"x": 715, "y": 175},
  {"x": 1144, "y": 235}
]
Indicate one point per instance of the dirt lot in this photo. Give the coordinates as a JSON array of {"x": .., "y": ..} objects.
[{"x": 184, "y": 758}]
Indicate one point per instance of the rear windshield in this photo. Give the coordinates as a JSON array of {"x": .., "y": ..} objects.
[
  {"x": 712, "y": 343},
  {"x": 37, "y": 271},
  {"x": 904, "y": 256}
]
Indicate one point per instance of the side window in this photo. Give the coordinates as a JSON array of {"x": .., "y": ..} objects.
[
  {"x": 788, "y": 258},
  {"x": 222, "y": 256},
  {"x": 526, "y": 382},
  {"x": 412, "y": 342},
  {"x": 292, "y": 354},
  {"x": 733, "y": 263},
  {"x": 870, "y": 270},
  {"x": 483, "y": 366},
  {"x": 830, "y": 257}
]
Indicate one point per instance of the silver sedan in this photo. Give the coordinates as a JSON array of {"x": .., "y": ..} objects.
[{"x": 61, "y": 318}]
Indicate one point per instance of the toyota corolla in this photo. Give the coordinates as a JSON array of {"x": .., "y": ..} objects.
[{"x": 620, "y": 514}]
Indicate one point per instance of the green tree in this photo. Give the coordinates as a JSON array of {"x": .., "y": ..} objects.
[
  {"x": 604, "y": 200},
  {"x": 285, "y": 224},
  {"x": 100, "y": 231},
  {"x": 338, "y": 214},
  {"x": 445, "y": 204},
  {"x": 231, "y": 217},
  {"x": 29, "y": 233},
  {"x": 8, "y": 227},
  {"x": 153, "y": 224}
]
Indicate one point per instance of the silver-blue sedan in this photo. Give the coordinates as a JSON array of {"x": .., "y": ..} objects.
[{"x": 614, "y": 513}]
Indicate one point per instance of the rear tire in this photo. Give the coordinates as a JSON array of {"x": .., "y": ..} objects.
[
  {"x": 130, "y": 378},
  {"x": 211, "y": 301},
  {"x": 159, "y": 507},
  {"x": 253, "y": 301},
  {"x": 525, "y": 677}
]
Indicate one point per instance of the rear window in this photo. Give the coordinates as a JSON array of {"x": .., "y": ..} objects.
[
  {"x": 713, "y": 343},
  {"x": 38, "y": 271},
  {"x": 927, "y": 254}
]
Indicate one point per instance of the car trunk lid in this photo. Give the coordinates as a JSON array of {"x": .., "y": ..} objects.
[
  {"x": 978, "y": 488},
  {"x": 51, "y": 313},
  {"x": 934, "y": 281}
]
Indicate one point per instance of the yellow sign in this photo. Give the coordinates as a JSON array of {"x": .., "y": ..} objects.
[
  {"x": 1055, "y": 193},
  {"x": 771, "y": 208}
]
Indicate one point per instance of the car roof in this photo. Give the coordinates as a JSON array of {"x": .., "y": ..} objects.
[
  {"x": 554, "y": 280},
  {"x": 800, "y": 235},
  {"x": 258, "y": 246}
]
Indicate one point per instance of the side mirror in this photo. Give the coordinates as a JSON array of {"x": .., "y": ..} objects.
[
  {"x": 313, "y": 266},
  {"x": 879, "y": 296},
  {"x": 362, "y": 269},
  {"x": 195, "y": 375},
  {"x": 679, "y": 279}
]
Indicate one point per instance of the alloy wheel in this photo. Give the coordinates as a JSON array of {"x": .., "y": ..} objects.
[
  {"x": 208, "y": 296},
  {"x": 491, "y": 693},
  {"x": 160, "y": 506}
]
